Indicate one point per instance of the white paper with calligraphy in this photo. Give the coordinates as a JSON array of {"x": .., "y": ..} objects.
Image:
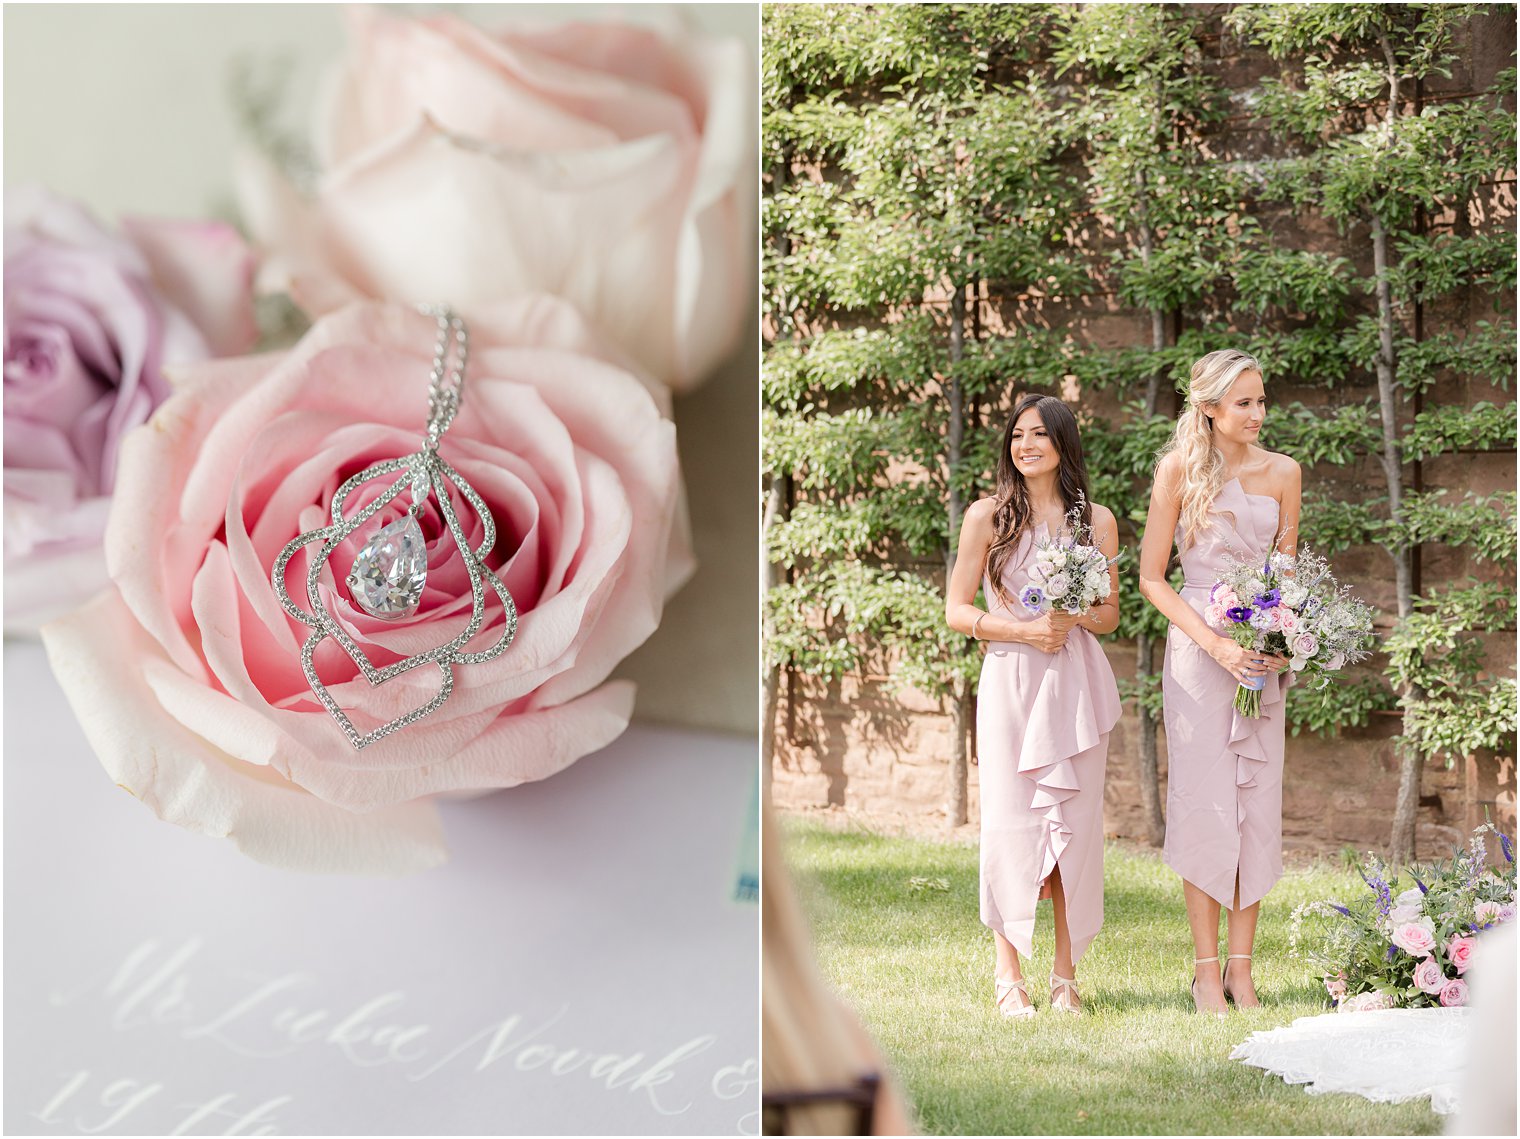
[{"x": 576, "y": 968}]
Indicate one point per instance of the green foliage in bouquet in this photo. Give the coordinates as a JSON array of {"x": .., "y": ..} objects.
[{"x": 1406, "y": 941}]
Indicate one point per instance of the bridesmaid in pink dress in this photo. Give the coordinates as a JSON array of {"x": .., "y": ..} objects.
[
  {"x": 1219, "y": 497},
  {"x": 1046, "y": 704}
]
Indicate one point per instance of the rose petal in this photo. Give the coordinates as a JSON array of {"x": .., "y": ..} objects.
[
  {"x": 206, "y": 271},
  {"x": 171, "y": 770}
]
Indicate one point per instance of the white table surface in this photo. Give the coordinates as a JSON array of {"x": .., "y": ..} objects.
[{"x": 577, "y": 966}]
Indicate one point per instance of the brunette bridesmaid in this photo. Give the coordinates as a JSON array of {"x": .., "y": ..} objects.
[
  {"x": 1219, "y": 497},
  {"x": 1046, "y": 705}
]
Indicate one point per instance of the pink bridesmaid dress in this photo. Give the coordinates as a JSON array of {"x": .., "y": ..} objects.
[
  {"x": 1224, "y": 781},
  {"x": 1042, "y": 724}
]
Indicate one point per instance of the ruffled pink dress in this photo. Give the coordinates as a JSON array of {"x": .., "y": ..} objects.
[
  {"x": 1042, "y": 724},
  {"x": 1224, "y": 781}
]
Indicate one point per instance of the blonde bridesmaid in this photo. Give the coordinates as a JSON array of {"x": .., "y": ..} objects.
[
  {"x": 1046, "y": 705},
  {"x": 1219, "y": 496}
]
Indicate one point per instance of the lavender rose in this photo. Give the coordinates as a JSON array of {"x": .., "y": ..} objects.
[{"x": 92, "y": 320}]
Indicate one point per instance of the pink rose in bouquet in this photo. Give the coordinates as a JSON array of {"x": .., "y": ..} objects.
[
  {"x": 1366, "y": 1002},
  {"x": 1459, "y": 953},
  {"x": 1416, "y": 938},
  {"x": 92, "y": 322},
  {"x": 606, "y": 164},
  {"x": 1454, "y": 994},
  {"x": 187, "y": 677},
  {"x": 1429, "y": 977},
  {"x": 1487, "y": 913}
]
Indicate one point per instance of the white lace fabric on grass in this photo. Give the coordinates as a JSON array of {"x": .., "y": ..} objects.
[{"x": 1387, "y": 1056}]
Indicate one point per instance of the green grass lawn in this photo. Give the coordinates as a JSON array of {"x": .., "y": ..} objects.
[{"x": 917, "y": 965}]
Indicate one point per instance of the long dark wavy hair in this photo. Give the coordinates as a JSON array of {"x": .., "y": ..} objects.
[{"x": 1011, "y": 514}]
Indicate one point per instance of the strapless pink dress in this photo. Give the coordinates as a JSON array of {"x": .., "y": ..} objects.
[
  {"x": 1042, "y": 725},
  {"x": 1224, "y": 781}
]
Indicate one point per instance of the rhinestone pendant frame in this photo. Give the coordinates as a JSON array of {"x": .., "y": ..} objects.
[{"x": 425, "y": 473}]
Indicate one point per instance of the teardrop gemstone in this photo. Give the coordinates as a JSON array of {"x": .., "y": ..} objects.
[{"x": 390, "y": 571}]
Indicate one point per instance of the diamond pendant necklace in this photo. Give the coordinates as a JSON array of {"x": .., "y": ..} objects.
[{"x": 387, "y": 578}]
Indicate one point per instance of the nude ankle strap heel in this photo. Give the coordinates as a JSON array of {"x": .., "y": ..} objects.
[
  {"x": 1002, "y": 988},
  {"x": 1062, "y": 990},
  {"x": 1229, "y": 996},
  {"x": 1193, "y": 985}
]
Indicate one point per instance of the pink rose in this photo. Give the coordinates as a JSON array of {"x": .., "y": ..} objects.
[
  {"x": 1429, "y": 977},
  {"x": 1305, "y": 645},
  {"x": 1366, "y": 1002},
  {"x": 92, "y": 320},
  {"x": 1401, "y": 914},
  {"x": 1287, "y": 620},
  {"x": 1506, "y": 913},
  {"x": 1487, "y": 913},
  {"x": 1215, "y": 615},
  {"x": 1336, "y": 988},
  {"x": 1454, "y": 994},
  {"x": 1459, "y": 953},
  {"x": 1417, "y": 938},
  {"x": 1229, "y": 600},
  {"x": 1336, "y": 662},
  {"x": 187, "y": 676},
  {"x": 602, "y": 163}
]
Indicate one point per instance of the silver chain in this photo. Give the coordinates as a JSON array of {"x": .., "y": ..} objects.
[{"x": 445, "y": 383}]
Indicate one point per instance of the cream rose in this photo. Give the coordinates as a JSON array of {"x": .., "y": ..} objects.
[{"x": 605, "y": 164}]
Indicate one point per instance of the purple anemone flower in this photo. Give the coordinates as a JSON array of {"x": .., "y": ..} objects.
[
  {"x": 1269, "y": 599},
  {"x": 1240, "y": 614},
  {"x": 1032, "y": 599}
]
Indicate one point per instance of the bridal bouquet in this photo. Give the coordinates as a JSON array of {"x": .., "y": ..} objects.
[
  {"x": 1410, "y": 948},
  {"x": 1069, "y": 573},
  {"x": 1292, "y": 606}
]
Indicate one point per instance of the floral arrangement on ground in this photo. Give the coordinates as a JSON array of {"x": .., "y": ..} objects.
[{"x": 1410, "y": 947}]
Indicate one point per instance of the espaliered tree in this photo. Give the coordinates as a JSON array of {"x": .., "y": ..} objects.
[
  {"x": 941, "y": 176},
  {"x": 1145, "y": 102},
  {"x": 1407, "y": 175}
]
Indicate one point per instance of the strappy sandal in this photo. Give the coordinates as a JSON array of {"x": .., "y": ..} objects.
[
  {"x": 1229, "y": 996},
  {"x": 1062, "y": 990},
  {"x": 1193, "y": 988},
  {"x": 1002, "y": 988}
]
